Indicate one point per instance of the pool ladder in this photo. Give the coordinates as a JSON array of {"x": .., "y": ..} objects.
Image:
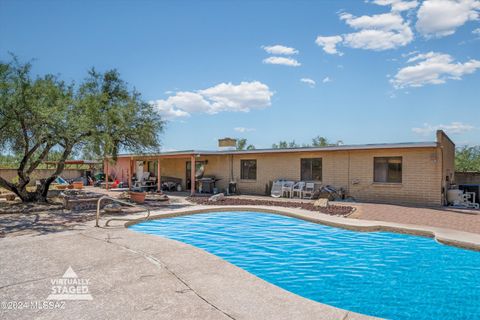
[{"x": 118, "y": 219}]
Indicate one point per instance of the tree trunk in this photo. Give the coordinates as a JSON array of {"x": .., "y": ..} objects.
[{"x": 41, "y": 192}]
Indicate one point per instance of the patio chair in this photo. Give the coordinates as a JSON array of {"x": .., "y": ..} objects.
[
  {"x": 307, "y": 193},
  {"x": 298, "y": 189},
  {"x": 287, "y": 189},
  {"x": 143, "y": 182},
  {"x": 276, "y": 191}
]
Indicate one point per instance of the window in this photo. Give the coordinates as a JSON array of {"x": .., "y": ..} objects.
[
  {"x": 248, "y": 169},
  {"x": 387, "y": 169},
  {"x": 311, "y": 169}
]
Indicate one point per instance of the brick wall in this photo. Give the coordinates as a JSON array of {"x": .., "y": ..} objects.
[
  {"x": 422, "y": 171},
  {"x": 353, "y": 170}
]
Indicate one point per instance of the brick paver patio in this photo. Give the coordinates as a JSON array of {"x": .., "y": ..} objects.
[{"x": 458, "y": 219}]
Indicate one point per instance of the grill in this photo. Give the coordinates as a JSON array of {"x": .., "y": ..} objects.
[{"x": 207, "y": 184}]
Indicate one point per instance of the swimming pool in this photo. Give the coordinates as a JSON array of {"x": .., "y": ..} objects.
[{"x": 383, "y": 274}]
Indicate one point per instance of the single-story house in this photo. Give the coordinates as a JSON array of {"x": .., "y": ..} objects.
[{"x": 416, "y": 173}]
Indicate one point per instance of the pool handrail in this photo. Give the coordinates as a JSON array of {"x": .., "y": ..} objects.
[{"x": 97, "y": 218}]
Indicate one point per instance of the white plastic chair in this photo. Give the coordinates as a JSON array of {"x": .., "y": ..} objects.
[
  {"x": 307, "y": 193},
  {"x": 276, "y": 191},
  {"x": 287, "y": 189},
  {"x": 298, "y": 189}
]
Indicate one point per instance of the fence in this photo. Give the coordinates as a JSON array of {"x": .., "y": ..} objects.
[
  {"x": 11, "y": 174},
  {"x": 467, "y": 177}
]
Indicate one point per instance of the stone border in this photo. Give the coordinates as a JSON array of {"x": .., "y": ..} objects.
[{"x": 456, "y": 238}]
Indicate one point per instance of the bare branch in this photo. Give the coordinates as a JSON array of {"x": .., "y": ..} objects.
[{"x": 40, "y": 158}]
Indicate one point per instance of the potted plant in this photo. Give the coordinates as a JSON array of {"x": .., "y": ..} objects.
[
  {"x": 137, "y": 197},
  {"x": 77, "y": 185}
]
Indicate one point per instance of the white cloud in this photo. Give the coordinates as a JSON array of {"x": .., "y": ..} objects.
[
  {"x": 452, "y": 128},
  {"x": 309, "y": 81},
  {"x": 377, "y": 32},
  {"x": 326, "y": 80},
  {"x": 282, "y": 61},
  {"x": 243, "y": 129},
  {"x": 378, "y": 40},
  {"x": 441, "y": 18},
  {"x": 329, "y": 44},
  {"x": 279, "y": 49},
  {"x": 384, "y": 21},
  {"x": 220, "y": 98},
  {"x": 476, "y": 31},
  {"x": 397, "y": 5},
  {"x": 432, "y": 68}
]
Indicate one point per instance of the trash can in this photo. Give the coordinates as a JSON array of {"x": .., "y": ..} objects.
[{"x": 232, "y": 187}]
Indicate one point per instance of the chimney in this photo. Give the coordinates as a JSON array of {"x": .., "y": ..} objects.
[{"x": 227, "y": 144}]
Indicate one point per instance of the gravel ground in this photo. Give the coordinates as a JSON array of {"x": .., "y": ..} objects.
[{"x": 331, "y": 209}]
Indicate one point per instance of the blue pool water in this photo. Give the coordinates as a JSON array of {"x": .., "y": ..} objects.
[{"x": 382, "y": 274}]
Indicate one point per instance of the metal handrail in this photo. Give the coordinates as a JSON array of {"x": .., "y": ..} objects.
[{"x": 118, "y": 219}]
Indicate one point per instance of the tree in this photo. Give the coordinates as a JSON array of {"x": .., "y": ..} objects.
[
  {"x": 242, "y": 145},
  {"x": 467, "y": 159},
  {"x": 45, "y": 115},
  {"x": 285, "y": 145},
  {"x": 320, "y": 141}
]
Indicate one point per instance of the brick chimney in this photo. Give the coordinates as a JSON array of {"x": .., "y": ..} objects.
[{"x": 227, "y": 144}]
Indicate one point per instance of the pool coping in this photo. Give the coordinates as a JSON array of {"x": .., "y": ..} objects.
[{"x": 451, "y": 237}]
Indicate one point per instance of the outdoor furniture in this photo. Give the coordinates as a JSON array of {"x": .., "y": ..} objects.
[
  {"x": 146, "y": 183},
  {"x": 307, "y": 193},
  {"x": 287, "y": 189},
  {"x": 207, "y": 184},
  {"x": 298, "y": 189},
  {"x": 276, "y": 191}
]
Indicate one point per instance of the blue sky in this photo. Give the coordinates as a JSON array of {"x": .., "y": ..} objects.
[{"x": 382, "y": 70}]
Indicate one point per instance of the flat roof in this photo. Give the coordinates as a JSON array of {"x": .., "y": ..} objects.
[{"x": 404, "y": 145}]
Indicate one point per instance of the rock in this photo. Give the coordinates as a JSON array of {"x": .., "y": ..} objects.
[
  {"x": 113, "y": 208},
  {"x": 216, "y": 197},
  {"x": 322, "y": 203}
]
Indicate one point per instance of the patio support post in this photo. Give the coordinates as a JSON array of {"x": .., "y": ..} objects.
[
  {"x": 192, "y": 176},
  {"x": 129, "y": 175},
  {"x": 106, "y": 174},
  {"x": 159, "y": 175}
]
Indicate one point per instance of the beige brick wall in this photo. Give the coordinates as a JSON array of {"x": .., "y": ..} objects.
[{"x": 352, "y": 170}]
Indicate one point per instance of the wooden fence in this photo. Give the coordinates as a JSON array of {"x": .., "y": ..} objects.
[{"x": 467, "y": 177}]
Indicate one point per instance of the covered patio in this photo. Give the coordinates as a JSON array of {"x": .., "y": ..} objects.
[{"x": 145, "y": 171}]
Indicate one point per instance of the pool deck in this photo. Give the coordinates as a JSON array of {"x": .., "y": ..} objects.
[{"x": 134, "y": 275}]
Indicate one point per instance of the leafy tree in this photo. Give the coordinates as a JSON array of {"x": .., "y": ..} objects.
[
  {"x": 318, "y": 141},
  {"x": 242, "y": 144},
  {"x": 467, "y": 159},
  {"x": 44, "y": 115},
  {"x": 285, "y": 145}
]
